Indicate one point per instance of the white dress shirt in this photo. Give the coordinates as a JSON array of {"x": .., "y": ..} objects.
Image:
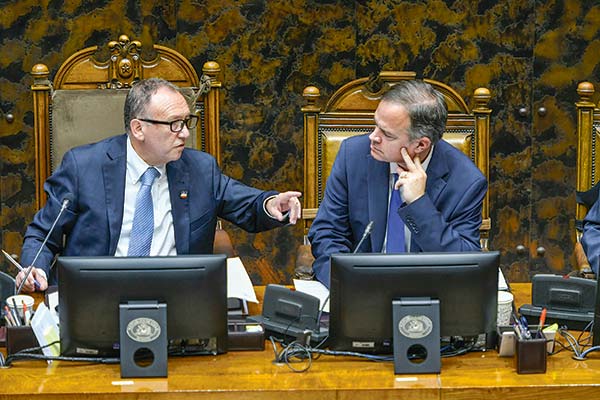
[
  {"x": 393, "y": 170},
  {"x": 163, "y": 239}
]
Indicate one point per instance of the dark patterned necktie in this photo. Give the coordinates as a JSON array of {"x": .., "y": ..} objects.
[{"x": 395, "y": 229}]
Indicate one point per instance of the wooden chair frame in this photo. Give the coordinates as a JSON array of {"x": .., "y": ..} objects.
[
  {"x": 350, "y": 112},
  {"x": 125, "y": 65},
  {"x": 588, "y": 128}
]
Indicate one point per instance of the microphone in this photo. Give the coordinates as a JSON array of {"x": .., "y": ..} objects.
[
  {"x": 66, "y": 200},
  {"x": 366, "y": 233}
]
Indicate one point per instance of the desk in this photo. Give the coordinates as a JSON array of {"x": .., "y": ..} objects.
[{"x": 252, "y": 375}]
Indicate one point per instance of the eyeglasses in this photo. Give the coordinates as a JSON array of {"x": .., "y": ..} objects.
[{"x": 176, "y": 126}]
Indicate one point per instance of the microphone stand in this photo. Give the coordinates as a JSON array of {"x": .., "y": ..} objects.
[
  {"x": 65, "y": 203},
  {"x": 367, "y": 232}
]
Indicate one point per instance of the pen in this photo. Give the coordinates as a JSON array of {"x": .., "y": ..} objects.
[
  {"x": 524, "y": 327},
  {"x": 15, "y": 311},
  {"x": 25, "y": 314},
  {"x": 542, "y": 321},
  {"x": 8, "y": 316},
  {"x": 16, "y": 264}
]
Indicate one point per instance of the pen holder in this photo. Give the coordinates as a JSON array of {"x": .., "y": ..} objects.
[
  {"x": 2, "y": 336},
  {"x": 19, "y": 338},
  {"x": 531, "y": 356},
  {"x": 507, "y": 340}
]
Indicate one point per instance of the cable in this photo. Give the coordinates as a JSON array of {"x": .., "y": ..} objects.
[
  {"x": 32, "y": 353},
  {"x": 458, "y": 347},
  {"x": 293, "y": 353},
  {"x": 371, "y": 357},
  {"x": 583, "y": 355}
]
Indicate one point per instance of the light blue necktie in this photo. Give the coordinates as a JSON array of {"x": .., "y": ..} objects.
[
  {"x": 140, "y": 239},
  {"x": 395, "y": 229}
]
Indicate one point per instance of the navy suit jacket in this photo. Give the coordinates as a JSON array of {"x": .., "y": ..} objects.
[
  {"x": 94, "y": 175},
  {"x": 447, "y": 218},
  {"x": 590, "y": 239}
]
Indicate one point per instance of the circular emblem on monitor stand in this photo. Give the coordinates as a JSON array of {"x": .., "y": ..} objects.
[
  {"x": 143, "y": 330},
  {"x": 415, "y": 326}
]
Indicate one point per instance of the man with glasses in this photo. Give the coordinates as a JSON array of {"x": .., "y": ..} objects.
[{"x": 144, "y": 193}]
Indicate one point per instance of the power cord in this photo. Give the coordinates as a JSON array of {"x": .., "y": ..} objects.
[
  {"x": 32, "y": 353},
  {"x": 576, "y": 345},
  {"x": 301, "y": 352},
  {"x": 294, "y": 352}
]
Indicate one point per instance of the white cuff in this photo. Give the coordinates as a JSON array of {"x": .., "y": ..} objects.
[{"x": 42, "y": 273}]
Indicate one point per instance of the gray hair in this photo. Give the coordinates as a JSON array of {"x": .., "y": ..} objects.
[
  {"x": 139, "y": 97},
  {"x": 426, "y": 108}
]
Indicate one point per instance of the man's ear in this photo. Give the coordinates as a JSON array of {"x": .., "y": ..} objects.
[
  {"x": 423, "y": 145},
  {"x": 135, "y": 125}
]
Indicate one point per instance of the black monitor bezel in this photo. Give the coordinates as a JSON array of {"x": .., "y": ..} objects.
[
  {"x": 363, "y": 286},
  {"x": 194, "y": 287}
]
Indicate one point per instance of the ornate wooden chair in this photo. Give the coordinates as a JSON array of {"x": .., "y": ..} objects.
[
  {"x": 349, "y": 112},
  {"x": 84, "y": 102},
  {"x": 588, "y": 130}
]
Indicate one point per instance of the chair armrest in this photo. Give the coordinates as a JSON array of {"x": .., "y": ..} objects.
[
  {"x": 582, "y": 266},
  {"x": 304, "y": 262},
  {"x": 222, "y": 244}
]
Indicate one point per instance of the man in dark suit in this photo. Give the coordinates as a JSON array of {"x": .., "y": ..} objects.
[
  {"x": 102, "y": 182},
  {"x": 590, "y": 239},
  {"x": 440, "y": 190}
]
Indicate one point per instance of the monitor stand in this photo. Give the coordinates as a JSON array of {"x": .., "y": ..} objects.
[
  {"x": 143, "y": 339},
  {"x": 416, "y": 335}
]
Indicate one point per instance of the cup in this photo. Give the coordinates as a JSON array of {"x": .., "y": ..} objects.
[
  {"x": 19, "y": 300},
  {"x": 505, "y": 301}
]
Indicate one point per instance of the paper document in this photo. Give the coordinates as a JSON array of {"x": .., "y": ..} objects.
[
  {"x": 45, "y": 328},
  {"x": 502, "y": 285},
  {"x": 239, "y": 284},
  {"x": 314, "y": 288}
]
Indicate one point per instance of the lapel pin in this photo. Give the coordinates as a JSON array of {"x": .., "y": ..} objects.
[{"x": 183, "y": 194}]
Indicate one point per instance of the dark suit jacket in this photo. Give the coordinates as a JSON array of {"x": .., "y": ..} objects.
[
  {"x": 447, "y": 218},
  {"x": 94, "y": 175},
  {"x": 590, "y": 239}
]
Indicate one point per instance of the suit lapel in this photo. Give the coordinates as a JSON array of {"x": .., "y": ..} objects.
[
  {"x": 377, "y": 186},
  {"x": 114, "y": 188},
  {"x": 179, "y": 191}
]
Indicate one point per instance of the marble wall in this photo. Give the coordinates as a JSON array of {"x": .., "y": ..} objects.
[{"x": 530, "y": 53}]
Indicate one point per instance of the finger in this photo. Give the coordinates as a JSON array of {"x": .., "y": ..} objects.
[
  {"x": 276, "y": 213},
  {"x": 286, "y": 196},
  {"x": 19, "y": 278},
  {"x": 30, "y": 284},
  {"x": 27, "y": 286},
  {"x": 39, "y": 282},
  {"x": 295, "y": 212},
  {"x": 42, "y": 282},
  {"x": 418, "y": 165},
  {"x": 407, "y": 160}
]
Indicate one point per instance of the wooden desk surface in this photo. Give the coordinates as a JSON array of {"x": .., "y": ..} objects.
[{"x": 253, "y": 375}]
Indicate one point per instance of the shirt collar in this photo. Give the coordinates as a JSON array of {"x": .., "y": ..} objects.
[
  {"x": 136, "y": 166},
  {"x": 424, "y": 163}
]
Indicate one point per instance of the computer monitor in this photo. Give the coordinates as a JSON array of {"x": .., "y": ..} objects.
[
  {"x": 194, "y": 288},
  {"x": 363, "y": 287}
]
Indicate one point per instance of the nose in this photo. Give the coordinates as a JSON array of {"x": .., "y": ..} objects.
[
  {"x": 373, "y": 136},
  {"x": 184, "y": 133}
]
